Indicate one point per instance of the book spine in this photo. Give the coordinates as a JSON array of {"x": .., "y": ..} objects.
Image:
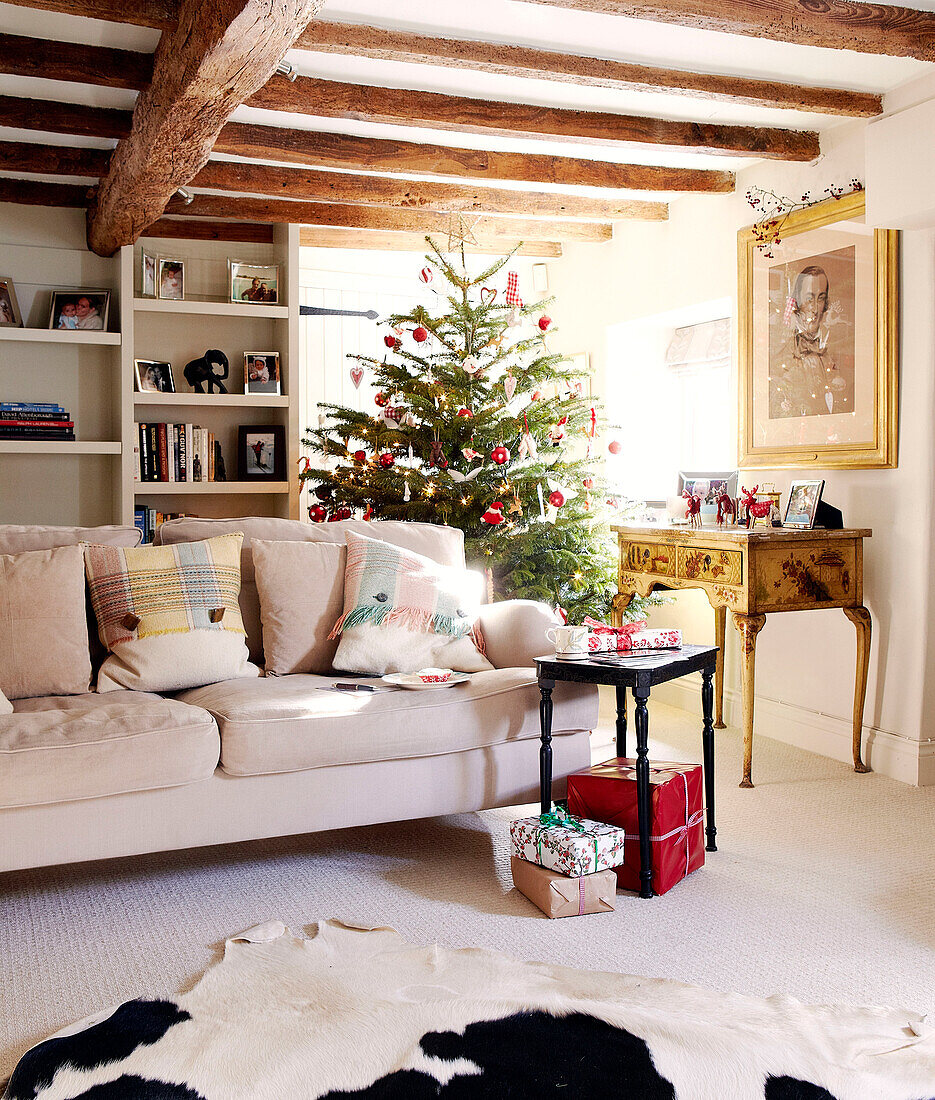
[
  {"x": 153, "y": 452},
  {"x": 203, "y": 452},
  {"x": 144, "y": 452},
  {"x": 139, "y": 521},
  {"x": 37, "y": 433},
  {"x": 210, "y": 456},
  {"x": 170, "y": 452},
  {"x": 189, "y": 451},
  {"x": 163, "y": 453},
  {"x": 183, "y": 453},
  {"x": 24, "y": 415},
  {"x": 30, "y": 406}
]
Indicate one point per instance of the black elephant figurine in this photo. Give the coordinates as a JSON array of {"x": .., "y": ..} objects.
[{"x": 204, "y": 370}]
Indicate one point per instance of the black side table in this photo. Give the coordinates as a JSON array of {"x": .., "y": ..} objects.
[{"x": 640, "y": 672}]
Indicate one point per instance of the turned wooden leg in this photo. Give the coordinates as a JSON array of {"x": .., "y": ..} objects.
[
  {"x": 545, "y": 747},
  {"x": 747, "y": 626},
  {"x": 860, "y": 617},
  {"x": 720, "y": 632}
]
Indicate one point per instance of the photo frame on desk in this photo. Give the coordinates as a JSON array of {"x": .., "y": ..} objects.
[
  {"x": 261, "y": 452},
  {"x": 818, "y": 313}
]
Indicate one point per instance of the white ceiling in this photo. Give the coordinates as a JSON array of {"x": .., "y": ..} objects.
[{"x": 512, "y": 22}]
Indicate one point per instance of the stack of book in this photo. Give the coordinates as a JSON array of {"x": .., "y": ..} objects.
[
  {"x": 148, "y": 519},
  {"x": 31, "y": 420},
  {"x": 178, "y": 452}
]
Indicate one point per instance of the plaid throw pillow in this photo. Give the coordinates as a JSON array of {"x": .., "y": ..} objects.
[{"x": 169, "y": 614}]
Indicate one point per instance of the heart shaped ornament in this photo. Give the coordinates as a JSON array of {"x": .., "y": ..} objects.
[
  {"x": 487, "y": 295},
  {"x": 357, "y": 376},
  {"x": 509, "y": 386}
]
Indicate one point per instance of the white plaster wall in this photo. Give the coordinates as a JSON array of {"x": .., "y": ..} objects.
[{"x": 805, "y": 662}]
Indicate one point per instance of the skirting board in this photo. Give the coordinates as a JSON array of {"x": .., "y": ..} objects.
[{"x": 900, "y": 758}]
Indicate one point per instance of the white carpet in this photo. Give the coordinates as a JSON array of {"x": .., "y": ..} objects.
[{"x": 824, "y": 888}]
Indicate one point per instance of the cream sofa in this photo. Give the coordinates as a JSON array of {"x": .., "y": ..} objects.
[{"x": 95, "y": 776}]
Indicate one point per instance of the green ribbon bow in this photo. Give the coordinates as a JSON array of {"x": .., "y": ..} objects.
[{"x": 561, "y": 818}]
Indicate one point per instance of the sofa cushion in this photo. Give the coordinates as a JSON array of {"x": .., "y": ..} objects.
[
  {"x": 301, "y": 587},
  {"x": 288, "y": 723},
  {"x": 43, "y": 628},
  {"x": 64, "y": 748},
  {"x": 443, "y": 544},
  {"x": 15, "y": 538}
]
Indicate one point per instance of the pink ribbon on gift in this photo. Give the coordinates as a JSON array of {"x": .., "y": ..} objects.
[
  {"x": 620, "y": 631},
  {"x": 680, "y": 830},
  {"x": 581, "y": 896}
]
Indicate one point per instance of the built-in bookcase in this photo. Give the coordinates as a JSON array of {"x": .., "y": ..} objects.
[{"x": 93, "y": 480}]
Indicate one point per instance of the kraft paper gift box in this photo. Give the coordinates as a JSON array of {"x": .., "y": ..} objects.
[
  {"x": 569, "y": 845},
  {"x": 562, "y": 895},
  {"x": 607, "y": 792}
]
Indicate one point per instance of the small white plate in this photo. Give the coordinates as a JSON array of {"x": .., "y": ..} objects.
[
  {"x": 572, "y": 656},
  {"x": 412, "y": 681}
]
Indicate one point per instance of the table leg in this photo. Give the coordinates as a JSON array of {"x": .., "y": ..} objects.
[
  {"x": 860, "y": 617},
  {"x": 643, "y": 792},
  {"x": 720, "y": 637},
  {"x": 545, "y": 749},
  {"x": 707, "y": 744},
  {"x": 748, "y": 626},
  {"x": 621, "y": 721}
]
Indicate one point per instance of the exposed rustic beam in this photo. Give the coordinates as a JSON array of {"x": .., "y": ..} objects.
[
  {"x": 217, "y": 55},
  {"x": 242, "y": 208},
  {"x": 52, "y": 60},
  {"x": 326, "y": 237},
  {"x": 525, "y": 61},
  {"x": 836, "y": 24},
  {"x": 33, "y": 193},
  {"x": 323, "y": 150},
  {"x": 341, "y": 187},
  {"x": 402, "y": 106},
  {"x": 160, "y": 14},
  {"x": 191, "y": 229}
]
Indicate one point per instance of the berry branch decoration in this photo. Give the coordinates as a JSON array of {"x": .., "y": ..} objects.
[{"x": 773, "y": 210}]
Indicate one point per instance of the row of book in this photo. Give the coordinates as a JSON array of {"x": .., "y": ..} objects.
[
  {"x": 148, "y": 519},
  {"x": 31, "y": 420},
  {"x": 178, "y": 452}
]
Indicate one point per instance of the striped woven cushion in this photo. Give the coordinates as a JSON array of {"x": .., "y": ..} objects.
[{"x": 153, "y": 590}]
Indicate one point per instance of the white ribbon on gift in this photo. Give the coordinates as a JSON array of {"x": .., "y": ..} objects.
[{"x": 680, "y": 830}]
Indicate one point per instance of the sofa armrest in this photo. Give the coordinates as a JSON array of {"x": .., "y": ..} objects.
[{"x": 514, "y": 631}]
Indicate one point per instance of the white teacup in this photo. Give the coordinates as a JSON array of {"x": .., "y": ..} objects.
[{"x": 569, "y": 641}]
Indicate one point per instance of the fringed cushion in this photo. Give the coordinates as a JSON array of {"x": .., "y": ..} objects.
[{"x": 404, "y": 612}]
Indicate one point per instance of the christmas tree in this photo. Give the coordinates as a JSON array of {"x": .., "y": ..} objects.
[{"x": 478, "y": 424}]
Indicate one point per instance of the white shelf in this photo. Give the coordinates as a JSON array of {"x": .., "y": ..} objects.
[
  {"x": 58, "y": 336},
  {"x": 176, "y": 488},
  {"x": 213, "y": 309},
  {"x": 204, "y": 400},
  {"x": 57, "y": 447}
]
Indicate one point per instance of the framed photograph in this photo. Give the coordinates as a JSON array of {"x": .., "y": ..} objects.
[
  {"x": 153, "y": 376},
  {"x": 802, "y": 505},
  {"x": 79, "y": 309},
  {"x": 818, "y": 347},
  {"x": 261, "y": 372},
  {"x": 257, "y": 283},
  {"x": 171, "y": 284},
  {"x": 9, "y": 309},
  {"x": 148, "y": 266},
  {"x": 261, "y": 452},
  {"x": 709, "y": 487}
]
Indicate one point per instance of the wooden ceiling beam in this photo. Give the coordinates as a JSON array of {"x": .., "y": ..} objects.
[
  {"x": 525, "y": 61},
  {"x": 158, "y": 14},
  {"x": 53, "y": 160},
  {"x": 323, "y": 150},
  {"x": 327, "y": 237},
  {"x": 404, "y": 107},
  {"x": 34, "y": 193},
  {"x": 835, "y": 24},
  {"x": 46, "y": 59},
  {"x": 191, "y": 229},
  {"x": 243, "y": 208},
  {"x": 216, "y": 57}
]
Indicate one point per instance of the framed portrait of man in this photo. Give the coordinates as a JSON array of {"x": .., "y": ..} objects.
[{"x": 818, "y": 352}]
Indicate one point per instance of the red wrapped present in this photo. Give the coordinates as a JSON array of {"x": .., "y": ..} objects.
[
  {"x": 621, "y": 639},
  {"x": 607, "y": 792}
]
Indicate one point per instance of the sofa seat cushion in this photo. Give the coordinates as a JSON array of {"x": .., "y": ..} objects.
[
  {"x": 63, "y": 748},
  {"x": 288, "y": 723}
]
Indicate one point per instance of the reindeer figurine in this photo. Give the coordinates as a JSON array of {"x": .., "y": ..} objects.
[
  {"x": 725, "y": 507},
  {"x": 756, "y": 509},
  {"x": 692, "y": 508}
]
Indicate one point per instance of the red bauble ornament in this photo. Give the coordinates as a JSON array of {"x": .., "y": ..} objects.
[
  {"x": 494, "y": 514},
  {"x": 615, "y": 446},
  {"x": 317, "y": 513},
  {"x": 339, "y": 514},
  {"x": 544, "y": 322},
  {"x": 425, "y": 275},
  {"x": 500, "y": 455},
  {"x": 360, "y": 456},
  {"x": 536, "y": 395},
  {"x": 386, "y": 460},
  {"x": 390, "y": 341},
  {"x": 323, "y": 492},
  {"x": 465, "y": 412},
  {"x": 380, "y": 399},
  {"x": 556, "y": 498},
  {"x": 420, "y": 334}
]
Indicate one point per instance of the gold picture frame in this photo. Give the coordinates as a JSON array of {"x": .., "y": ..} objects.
[{"x": 786, "y": 352}]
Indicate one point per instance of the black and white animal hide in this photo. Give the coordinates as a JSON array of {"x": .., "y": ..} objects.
[{"x": 354, "y": 1014}]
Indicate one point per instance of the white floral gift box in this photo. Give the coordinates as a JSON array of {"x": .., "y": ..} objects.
[{"x": 569, "y": 845}]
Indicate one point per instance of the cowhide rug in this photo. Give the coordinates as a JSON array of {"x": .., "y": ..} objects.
[{"x": 353, "y": 1014}]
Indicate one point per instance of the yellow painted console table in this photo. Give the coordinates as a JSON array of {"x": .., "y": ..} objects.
[{"x": 752, "y": 574}]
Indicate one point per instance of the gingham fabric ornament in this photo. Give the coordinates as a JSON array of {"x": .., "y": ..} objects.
[{"x": 512, "y": 297}]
